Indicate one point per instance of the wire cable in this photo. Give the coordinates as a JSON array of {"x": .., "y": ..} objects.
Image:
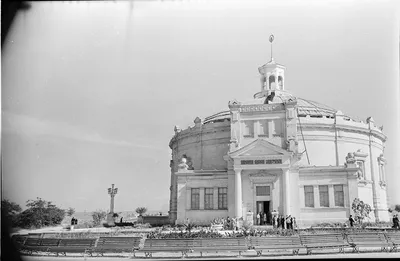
[{"x": 302, "y": 135}]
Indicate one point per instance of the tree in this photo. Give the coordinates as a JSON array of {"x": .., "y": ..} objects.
[
  {"x": 70, "y": 211},
  {"x": 141, "y": 210},
  {"x": 10, "y": 211},
  {"x": 40, "y": 213},
  {"x": 361, "y": 210},
  {"x": 98, "y": 216}
]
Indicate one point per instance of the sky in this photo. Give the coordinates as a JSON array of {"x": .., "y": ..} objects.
[{"x": 91, "y": 91}]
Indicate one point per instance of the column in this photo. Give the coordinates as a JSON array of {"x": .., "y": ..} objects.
[
  {"x": 238, "y": 193},
  {"x": 112, "y": 204},
  {"x": 286, "y": 192}
]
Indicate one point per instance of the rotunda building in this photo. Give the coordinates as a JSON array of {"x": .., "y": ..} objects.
[{"x": 277, "y": 153}]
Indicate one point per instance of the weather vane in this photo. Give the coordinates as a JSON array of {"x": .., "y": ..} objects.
[{"x": 271, "y": 39}]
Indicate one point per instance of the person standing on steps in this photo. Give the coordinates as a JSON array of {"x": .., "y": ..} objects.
[{"x": 351, "y": 220}]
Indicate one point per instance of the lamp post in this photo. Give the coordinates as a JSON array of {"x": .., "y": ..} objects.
[{"x": 112, "y": 192}]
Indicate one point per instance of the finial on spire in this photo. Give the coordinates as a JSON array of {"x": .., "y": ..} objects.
[{"x": 271, "y": 39}]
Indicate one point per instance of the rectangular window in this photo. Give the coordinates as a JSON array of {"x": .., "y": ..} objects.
[
  {"x": 195, "y": 198},
  {"x": 339, "y": 195},
  {"x": 263, "y": 191},
  {"x": 222, "y": 198},
  {"x": 277, "y": 129},
  {"x": 309, "y": 196},
  {"x": 208, "y": 198},
  {"x": 323, "y": 196},
  {"x": 263, "y": 132},
  {"x": 248, "y": 129}
]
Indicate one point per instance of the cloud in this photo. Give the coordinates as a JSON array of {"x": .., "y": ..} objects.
[{"x": 33, "y": 126}]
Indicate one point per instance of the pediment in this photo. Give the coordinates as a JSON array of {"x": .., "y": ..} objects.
[{"x": 259, "y": 148}]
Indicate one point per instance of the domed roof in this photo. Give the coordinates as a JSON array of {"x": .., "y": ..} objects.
[
  {"x": 218, "y": 117},
  {"x": 314, "y": 109},
  {"x": 305, "y": 108}
]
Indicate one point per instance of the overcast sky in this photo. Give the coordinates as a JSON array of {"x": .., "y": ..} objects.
[{"x": 91, "y": 91}]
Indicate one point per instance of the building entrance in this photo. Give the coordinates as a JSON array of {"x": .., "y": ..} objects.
[{"x": 263, "y": 207}]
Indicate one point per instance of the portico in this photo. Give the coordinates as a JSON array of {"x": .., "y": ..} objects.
[{"x": 262, "y": 174}]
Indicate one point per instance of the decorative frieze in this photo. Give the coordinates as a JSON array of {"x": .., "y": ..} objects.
[
  {"x": 261, "y": 108},
  {"x": 262, "y": 177}
]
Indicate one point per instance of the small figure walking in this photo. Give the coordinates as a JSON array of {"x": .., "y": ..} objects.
[
  {"x": 258, "y": 219},
  {"x": 351, "y": 220}
]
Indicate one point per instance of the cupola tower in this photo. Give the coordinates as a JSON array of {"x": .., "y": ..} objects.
[{"x": 272, "y": 76}]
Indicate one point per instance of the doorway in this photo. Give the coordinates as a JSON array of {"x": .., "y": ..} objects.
[{"x": 264, "y": 207}]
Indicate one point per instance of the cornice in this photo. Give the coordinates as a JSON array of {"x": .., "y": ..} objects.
[{"x": 353, "y": 129}]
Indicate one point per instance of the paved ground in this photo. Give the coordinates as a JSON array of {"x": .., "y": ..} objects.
[{"x": 220, "y": 256}]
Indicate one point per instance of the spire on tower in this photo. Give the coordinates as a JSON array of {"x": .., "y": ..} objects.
[{"x": 271, "y": 39}]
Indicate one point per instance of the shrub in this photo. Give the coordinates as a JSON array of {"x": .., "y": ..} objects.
[
  {"x": 361, "y": 210},
  {"x": 141, "y": 210},
  {"x": 40, "y": 213},
  {"x": 10, "y": 211},
  {"x": 98, "y": 216}
]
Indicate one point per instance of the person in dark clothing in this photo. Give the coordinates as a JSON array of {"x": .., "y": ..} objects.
[
  {"x": 121, "y": 220},
  {"x": 351, "y": 220},
  {"x": 73, "y": 221},
  {"x": 269, "y": 98},
  {"x": 396, "y": 222},
  {"x": 283, "y": 221}
]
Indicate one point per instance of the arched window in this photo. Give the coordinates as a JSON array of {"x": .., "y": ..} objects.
[
  {"x": 263, "y": 82},
  {"x": 271, "y": 81},
  {"x": 280, "y": 82}
]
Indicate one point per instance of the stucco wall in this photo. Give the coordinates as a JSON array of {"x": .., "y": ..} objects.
[
  {"x": 317, "y": 214},
  {"x": 327, "y": 141},
  {"x": 201, "y": 181}
]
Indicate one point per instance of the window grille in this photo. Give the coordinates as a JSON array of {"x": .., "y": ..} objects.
[
  {"x": 208, "y": 198},
  {"x": 195, "y": 204},
  {"x": 222, "y": 198},
  {"x": 263, "y": 191},
  {"x": 339, "y": 195},
  {"x": 323, "y": 196},
  {"x": 309, "y": 196}
]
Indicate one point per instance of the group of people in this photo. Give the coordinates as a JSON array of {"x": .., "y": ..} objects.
[
  {"x": 278, "y": 221},
  {"x": 262, "y": 218},
  {"x": 74, "y": 221},
  {"x": 395, "y": 220},
  {"x": 228, "y": 223}
]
